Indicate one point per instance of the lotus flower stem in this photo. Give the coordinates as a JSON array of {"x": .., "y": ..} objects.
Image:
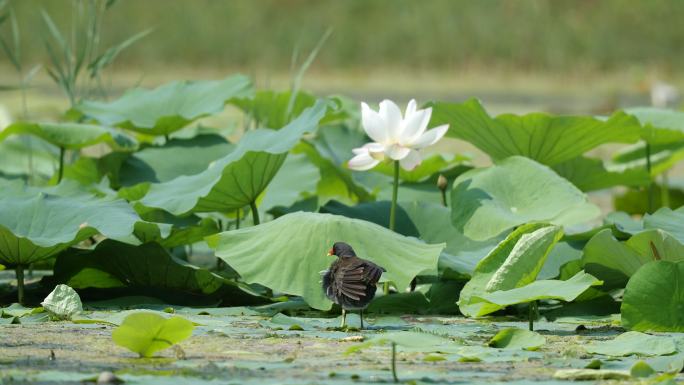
[
  {"x": 237, "y": 220},
  {"x": 20, "y": 284},
  {"x": 394, "y": 362},
  {"x": 395, "y": 191},
  {"x": 60, "y": 172},
  {"x": 255, "y": 213},
  {"x": 650, "y": 180}
]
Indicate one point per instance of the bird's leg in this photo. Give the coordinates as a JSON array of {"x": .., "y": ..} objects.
[
  {"x": 361, "y": 316},
  {"x": 344, "y": 318}
]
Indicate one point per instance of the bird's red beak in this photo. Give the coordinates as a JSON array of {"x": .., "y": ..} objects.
[{"x": 331, "y": 252}]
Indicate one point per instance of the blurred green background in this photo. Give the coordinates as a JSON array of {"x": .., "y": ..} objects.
[{"x": 557, "y": 55}]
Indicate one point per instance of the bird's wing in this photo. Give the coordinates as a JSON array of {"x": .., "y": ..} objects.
[
  {"x": 349, "y": 280},
  {"x": 372, "y": 272}
]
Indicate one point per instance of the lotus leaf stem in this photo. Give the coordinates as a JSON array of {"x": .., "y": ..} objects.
[
  {"x": 60, "y": 174},
  {"x": 394, "y": 362},
  {"x": 650, "y": 180},
  {"x": 255, "y": 213},
  {"x": 20, "y": 284}
]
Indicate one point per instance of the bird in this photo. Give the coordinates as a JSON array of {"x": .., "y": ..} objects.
[{"x": 350, "y": 281}]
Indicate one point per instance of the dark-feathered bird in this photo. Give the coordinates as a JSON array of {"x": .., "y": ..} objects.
[{"x": 351, "y": 281}]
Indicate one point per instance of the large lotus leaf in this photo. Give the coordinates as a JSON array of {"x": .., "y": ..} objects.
[
  {"x": 660, "y": 125},
  {"x": 289, "y": 253},
  {"x": 615, "y": 262},
  {"x": 238, "y": 178},
  {"x": 17, "y": 155},
  {"x": 72, "y": 135},
  {"x": 433, "y": 222},
  {"x": 172, "y": 159},
  {"x": 36, "y": 226},
  {"x": 537, "y": 290},
  {"x": 169, "y": 107},
  {"x": 487, "y": 202},
  {"x": 144, "y": 266},
  {"x": 654, "y": 298},
  {"x": 592, "y": 174},
  {"x": 515, "y": 262},
  {"x": 545, "y": 138}
]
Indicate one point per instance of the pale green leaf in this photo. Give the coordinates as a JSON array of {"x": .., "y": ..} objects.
[
  {"x": 630, "y": 343},
  {"x": 72, "y": 136},
  {"x": 289, "y": 253},
  {"x": 545, "y": 138},
  {"x": 514, "y": 338},
  {"x": 63, "y": 302},
  {"x": 147, "y": 333},
  {"x": 169, "y": 107}
]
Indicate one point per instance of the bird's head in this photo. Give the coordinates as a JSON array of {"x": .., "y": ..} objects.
[{"x": 341, "y": 250}]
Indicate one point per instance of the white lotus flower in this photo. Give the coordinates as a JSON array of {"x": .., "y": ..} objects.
[{"x": 395, "y": 137}]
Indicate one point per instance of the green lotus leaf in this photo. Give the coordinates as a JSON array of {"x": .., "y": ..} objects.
[
  {"x": 538, "y": 290},
  {"x": 514, "y": 338},
  {"x": 72, "y": 136},
  {"x": 289, "y": 253},
  {"x": 168, "y": 108},
  {"x": 237, "y": 179},
  {"x": 63, "y": 302},
  {"x": 517, "y": 190},
  {"x": 660, "y": 125},
  {"x": 545, "y": 138},
  {"x": 631, "y": 343},
  {"x": 654, "y": 298},
  {"x": 615, "y": 262},
  {"x": 147, "y": 333},
  {"x": 35, "y": 226},
  {"x": 514, "y": 263},
  {"x": 116, "y": 264},
  {"x": 590, "y": 174}
]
